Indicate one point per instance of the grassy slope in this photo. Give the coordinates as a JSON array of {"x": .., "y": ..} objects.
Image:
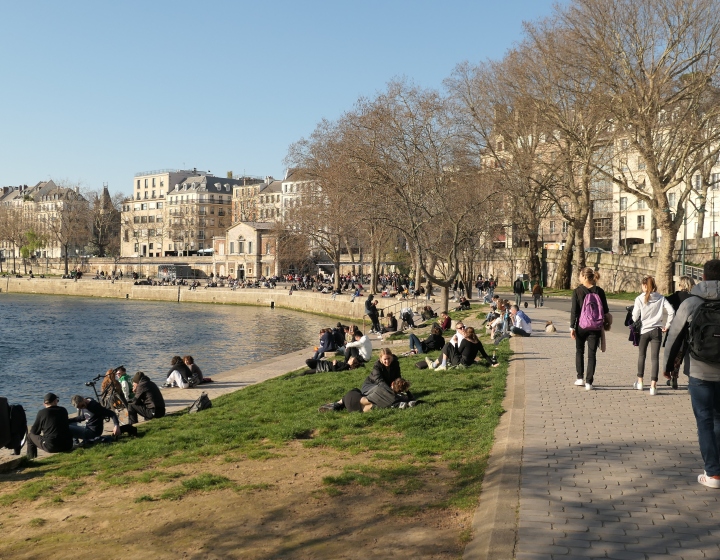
[{"x": 454, "y": 426}]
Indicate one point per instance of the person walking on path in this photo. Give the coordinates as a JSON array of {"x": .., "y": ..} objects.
[
  {"x": 537, "y": 293},
  {"x": 685, "y": 284},
  {"x": 588, "y": 309},
  {"x": 648, "y": 308},
  {"x": 697, "y": 325},
  {"x": 518, "y": 290}
]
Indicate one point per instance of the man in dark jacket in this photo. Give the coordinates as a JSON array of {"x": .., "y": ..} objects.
[
  {"x": 94, "y": 414},
  {"x": 327, "y": 344},
  {"x": 148, "y": 401},
  {"x": 372, "y": 313},
  {"x": 518, "y": 290},
  {"x": 51, "y": 430},
  {"x": 704, "y": 373}
]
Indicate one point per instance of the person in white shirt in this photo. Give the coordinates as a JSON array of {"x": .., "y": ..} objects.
[
  {"x": 521, "y": 324},
  {"x": 649, "y": 309},
  {"x": 361, "y": 348}
]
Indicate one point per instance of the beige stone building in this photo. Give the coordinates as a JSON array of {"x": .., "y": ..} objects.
[
  {"x": 246, "y": 251},
  {"x": 176, "y": 212}
]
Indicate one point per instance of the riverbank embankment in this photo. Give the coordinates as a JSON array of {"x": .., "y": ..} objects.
[{"x": 304, "y": 301}]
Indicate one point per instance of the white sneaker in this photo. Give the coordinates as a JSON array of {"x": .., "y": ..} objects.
[
  {"x": 441, "y": 367},
  {"x": 430, "y": 363},
  {"x": 588, "y": 387},
  {"x": 653, "y": 391},
  {"x": 579, "y": 382},
  {"x": 638, "y": 385}
]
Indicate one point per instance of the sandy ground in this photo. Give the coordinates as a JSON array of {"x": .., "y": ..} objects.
[{"x": 282, "y": 510}]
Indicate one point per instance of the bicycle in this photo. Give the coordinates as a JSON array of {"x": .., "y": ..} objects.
[{"x": 110, "y": 397}]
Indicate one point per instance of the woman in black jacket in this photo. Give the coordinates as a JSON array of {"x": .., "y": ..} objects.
[
  {"x": 588, "y": 279},
  {"x": 433, "y": 342},
  {"x": 685, "y": 284},
  {"x": 386, "y": 369},
  {"x": 463, "y": 354}
]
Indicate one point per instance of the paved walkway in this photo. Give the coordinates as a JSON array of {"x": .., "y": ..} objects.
[{"x": 608, "y": 473}]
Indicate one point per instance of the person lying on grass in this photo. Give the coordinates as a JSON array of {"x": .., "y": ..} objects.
[
  {"x": 376, "y": 389},
  {"x": 463, "y": 354},
  {"x": 380, "y": 396},
  {"x": 315, "y": 366}
]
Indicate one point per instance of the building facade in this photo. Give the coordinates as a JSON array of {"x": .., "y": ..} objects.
[{"x": 247, "y": 251}]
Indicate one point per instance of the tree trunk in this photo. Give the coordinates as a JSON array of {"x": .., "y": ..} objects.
[
  {"x": 444, "y": 297},
  {"x": 533, "y": 258},
  {"x": 579, "y": 248},
  {"x": 665, "y": 268},
  {"x": 336, "y": 276},
  {"x": 563, "y": 276},
  {"x": 67, "y": 261}
]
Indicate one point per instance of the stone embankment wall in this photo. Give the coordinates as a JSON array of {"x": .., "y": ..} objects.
[
  {"x": 310, "y": 302},
  {"x": 618, "y": 273}
]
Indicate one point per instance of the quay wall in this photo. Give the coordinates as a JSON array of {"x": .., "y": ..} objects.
[{"x": 308, "y": 302}]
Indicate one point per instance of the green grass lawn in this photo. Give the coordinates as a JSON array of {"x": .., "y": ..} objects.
[{"x": 454, "y": 426}]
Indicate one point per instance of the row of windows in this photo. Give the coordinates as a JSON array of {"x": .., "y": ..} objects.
[
  {"x": 162, "y": 183},
  {"x": 241, "y": 247},
  {"x": 147, "y": 219}
]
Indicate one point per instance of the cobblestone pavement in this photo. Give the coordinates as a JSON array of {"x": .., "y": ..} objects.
[{"x": 612, "y": 472}]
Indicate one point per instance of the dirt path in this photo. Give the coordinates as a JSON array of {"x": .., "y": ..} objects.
[{"x": 279, "y": 508}]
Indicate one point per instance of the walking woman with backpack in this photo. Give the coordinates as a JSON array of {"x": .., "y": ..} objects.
[
  {"x": 648, "y": 309},
  {"x": 587, "y": 315}
]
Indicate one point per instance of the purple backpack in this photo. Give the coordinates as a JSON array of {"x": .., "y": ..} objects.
[{"x": 591, "y": 315}]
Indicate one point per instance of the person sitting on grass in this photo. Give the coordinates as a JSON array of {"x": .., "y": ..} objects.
[
  {"x": 392, "y": 324},
  {"x": 434, "y": 341},
  {"x": 428, "y": 313},
  {"x": 360, "y": 348},
  {"x": 464, "y": 304},
  {"x": 125, "y": 382},
  {"x": 51, "y": 429},
  {"x": 445, "y": 321},
  {"x": 94, "y": 414},
  {"x": 148, "y": 403},
  {"x": 327, "y": 344},
  {"x": 463, "y": 354}
]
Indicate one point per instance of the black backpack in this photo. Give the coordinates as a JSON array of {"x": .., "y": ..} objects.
[
  {"x": 203, "y": 402},
  {"x": 704, "y": 333}
]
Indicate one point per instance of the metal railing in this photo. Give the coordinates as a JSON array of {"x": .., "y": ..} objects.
[{"x": 694, "y": 272}]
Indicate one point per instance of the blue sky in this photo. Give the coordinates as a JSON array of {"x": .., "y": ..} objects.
[{"x": 94, "y": 92}]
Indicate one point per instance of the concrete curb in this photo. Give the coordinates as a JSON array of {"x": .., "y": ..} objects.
[{"x": 496, "y": 518}]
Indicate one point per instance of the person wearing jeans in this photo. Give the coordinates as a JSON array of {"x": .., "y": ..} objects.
[
  {"x": 704, "y": 372},
  {"x": 648, "y": 308}
]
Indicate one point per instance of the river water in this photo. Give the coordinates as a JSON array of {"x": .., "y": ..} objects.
[{"x": 55, "y": 343}]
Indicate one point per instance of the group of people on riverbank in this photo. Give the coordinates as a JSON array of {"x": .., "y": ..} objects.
[
  {"x": 54, "y": 431},
  {"x": 690, "y": 320}
]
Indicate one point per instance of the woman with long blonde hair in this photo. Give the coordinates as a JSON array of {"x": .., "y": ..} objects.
[{"x": 648, "y": 308}]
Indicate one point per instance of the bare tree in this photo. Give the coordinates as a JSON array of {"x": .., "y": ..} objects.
[
  {"x": 657, "y": 64},
  {"x": 13, "y": 229},
  {"x": 506, "y": 128},
  {"x": 432, "y": 187},
  {"x": 69, "y": 224},
  {"x": 325, "y": 213},
  {"x": 105, "y": 216}
]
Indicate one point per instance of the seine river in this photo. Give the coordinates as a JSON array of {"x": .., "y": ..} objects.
[{"x": 51, "y": 343}]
